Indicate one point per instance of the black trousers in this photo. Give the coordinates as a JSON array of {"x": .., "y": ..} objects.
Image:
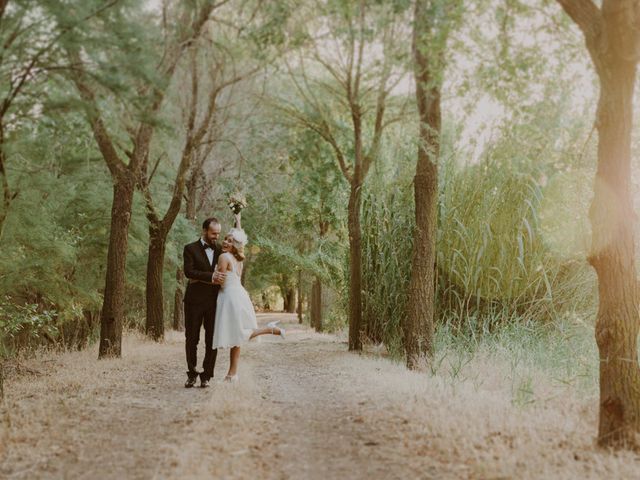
[{"x": 195, "y": 316}]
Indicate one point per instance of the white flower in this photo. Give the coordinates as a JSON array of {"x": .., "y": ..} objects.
[{"x": 238, "y": 199}]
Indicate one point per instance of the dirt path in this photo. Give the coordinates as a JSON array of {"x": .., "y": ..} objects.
[{"x": 304, "y": 408}]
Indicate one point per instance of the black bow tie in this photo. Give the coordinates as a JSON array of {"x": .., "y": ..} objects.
[{"x": 206, "y": 245}]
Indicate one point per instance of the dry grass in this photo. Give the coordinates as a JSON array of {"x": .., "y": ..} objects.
[
  {"x": 82, "y": 418},
  {"x": 305, "y": 408}
]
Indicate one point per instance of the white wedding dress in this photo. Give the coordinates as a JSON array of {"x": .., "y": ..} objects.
[{"x": 235, "y": 315}]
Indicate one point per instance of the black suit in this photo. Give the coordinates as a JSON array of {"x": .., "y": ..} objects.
[{"x": 200, "y": 306}]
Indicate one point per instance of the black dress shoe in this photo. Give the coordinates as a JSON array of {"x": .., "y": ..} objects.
[
  {"x": 191, "y": 382},
  {"x": 204, "y": 383}
]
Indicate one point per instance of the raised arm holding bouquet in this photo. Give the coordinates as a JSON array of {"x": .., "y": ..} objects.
[{"x": 236, "y": 322}]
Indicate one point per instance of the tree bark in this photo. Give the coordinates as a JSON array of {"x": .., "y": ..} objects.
[
  {"x": 316, "y": 305},
  {"x": 418, "y": 325},
  {"x": 286, "y": 299},
  {"x": 158, "y": 232},
  {"x": 265, "y": 302},
  {"x": 154, "y": 324},
  {"x": 7, "y": 195},
  {"x": 178, "y": 304},
  {"x": 299, "y": 308},
  {"x": 612, "y": 39},
  {"x": 291, "y": 300},
  {"x": 613, "y": 257},
  {"x": 355, "y": 268},
  {"x": 192, "y": 186},
  {"x": 112, "y": 314}
]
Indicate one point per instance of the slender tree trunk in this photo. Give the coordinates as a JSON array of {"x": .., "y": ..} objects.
[
  {"x": 613, "y": 257},
  {"x": 316, "y": 305},
  {"x": 300, "y": 300},
  {"x": 7, "y": 196},
  {"x": 418, "y": 326},
  {"x": 419, "y": 323},
  {"x": 89, "y": 325},
  {"x": 154, "y": 325},
  {"x": 191, "y": 196},
  {"x": 112, "y": 315},
  {"x": 178, "y": 304},
  {"x": 265, "y": 302},
  {"x": 313, "y": 306},
  {"x": 291, "y": 300},
  {"x": 355, "y": 268},
  {"x": 288, "y": 293},
  {"x": 285, "y": 300},
  {"x": 158, "y": 231}
]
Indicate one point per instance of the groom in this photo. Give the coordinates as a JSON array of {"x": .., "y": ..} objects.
[{"x": 200, "y": 299}]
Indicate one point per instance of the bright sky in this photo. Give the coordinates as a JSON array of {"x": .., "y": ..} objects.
[{"x": 534, "y": 31}]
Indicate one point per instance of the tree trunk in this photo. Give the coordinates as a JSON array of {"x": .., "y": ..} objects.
[
  {"x": 290, "y": 304},
  {"x": 299, "y": 309},
  {"x": 7, "y": 196},
  {"x": 613, "y": 257},
  {"x": 355, "y": 268},
  {"x": 178, "y": 301},
  {"x": 191, "y": 196},
  {"x": 418, "y": 325},
  {"x": 612, "y": 36},
  {"x": 154, "y": 325},
  {"x": 88, "y": 327},
  {"x": 158, "y": 231},
  {"x": 112, "y": 314},
  {"x": 287, "y": 291},
  {"x": 316, "y": 305}
]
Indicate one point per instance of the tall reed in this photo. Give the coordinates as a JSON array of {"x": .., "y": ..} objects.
[
  {"x": 387, "y": 226},
  {"x": 494, "y": 264}
]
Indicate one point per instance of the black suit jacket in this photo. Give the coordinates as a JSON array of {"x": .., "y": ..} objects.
[{"x": 197, "y": 267}]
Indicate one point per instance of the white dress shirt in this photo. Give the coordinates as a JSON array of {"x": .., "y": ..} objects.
[{"x": 208, "y": 251}]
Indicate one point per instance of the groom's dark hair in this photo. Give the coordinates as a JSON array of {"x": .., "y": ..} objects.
[{"x": 209, "y": 221}]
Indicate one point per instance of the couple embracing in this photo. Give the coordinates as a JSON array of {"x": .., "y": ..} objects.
[{"x": 216, "y": 299}]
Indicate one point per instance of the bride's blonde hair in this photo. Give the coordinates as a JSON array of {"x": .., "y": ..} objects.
[{"x": 237, "y": 250}]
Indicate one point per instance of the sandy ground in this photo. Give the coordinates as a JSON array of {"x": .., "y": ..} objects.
[
  {"x": 304, "y": 408},
  {"x": 292, "y": 415}
]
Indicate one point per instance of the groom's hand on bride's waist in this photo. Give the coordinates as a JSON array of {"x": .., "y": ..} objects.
[{"x": 218, "y": 278}]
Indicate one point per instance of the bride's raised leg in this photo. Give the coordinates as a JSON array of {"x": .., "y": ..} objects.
[{"x": 267, "y": 331}]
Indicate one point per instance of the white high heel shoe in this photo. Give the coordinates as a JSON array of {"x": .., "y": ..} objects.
[
  {"x": 231, "y": 379},
  {"x": 272, "y": 325}
]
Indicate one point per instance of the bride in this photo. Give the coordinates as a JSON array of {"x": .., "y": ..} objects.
[{"x": 235, "y": 321}]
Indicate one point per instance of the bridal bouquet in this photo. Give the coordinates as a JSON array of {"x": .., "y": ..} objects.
[{"x": 237, "y": 202}]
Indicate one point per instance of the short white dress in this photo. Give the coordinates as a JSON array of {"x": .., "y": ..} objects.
[{"x": 235, "y": 315}]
